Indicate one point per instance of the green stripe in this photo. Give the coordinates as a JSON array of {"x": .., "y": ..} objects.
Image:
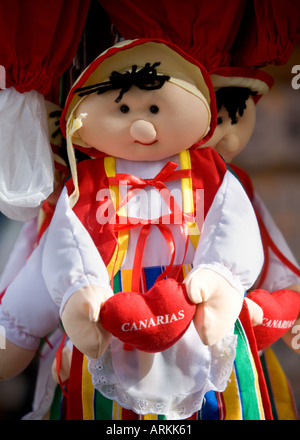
[
  {"x": 117, "y": 282},
  {"x": 161, "y": 417},
  {"x": 55, "y": 410},
  {"x": 103, "y": 407},
  {"x": 246, "y": 376}
]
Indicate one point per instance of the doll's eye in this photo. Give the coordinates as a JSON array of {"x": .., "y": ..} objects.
[
  {"x": 154, "y": 109},
  {"x": 219, "y": 121},
  {"x": 124, "y": 108}
]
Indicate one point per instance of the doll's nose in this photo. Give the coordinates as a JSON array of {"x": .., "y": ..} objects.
[
  {"x": 228, "y": 144},
  {"x": 143, "y": 131}
]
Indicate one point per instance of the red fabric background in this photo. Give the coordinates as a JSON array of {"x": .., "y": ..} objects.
[{"x": 39, "y": 39}]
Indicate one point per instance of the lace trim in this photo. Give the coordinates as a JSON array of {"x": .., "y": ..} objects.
[{"x": 175, "y": 406}]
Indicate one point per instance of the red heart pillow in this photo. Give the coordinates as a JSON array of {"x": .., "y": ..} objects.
[
  {"x": 153, "y": 321},
  {"x": 281, "y": 308}
]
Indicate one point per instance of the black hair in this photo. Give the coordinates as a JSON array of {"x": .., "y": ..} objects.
[
  {"x": 146, "y": 78},
  {"x": 234, "y": 100}
]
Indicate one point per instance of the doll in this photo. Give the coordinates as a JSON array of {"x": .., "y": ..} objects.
[
  {"x": 29, "y": 236},
  {"x": 141, "y": 109},
  {"x": 237, "y": 96},
  {"x": 277, "y": 289}
]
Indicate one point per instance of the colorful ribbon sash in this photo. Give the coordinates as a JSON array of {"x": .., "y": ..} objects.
[{"x": 167, "y": 174}]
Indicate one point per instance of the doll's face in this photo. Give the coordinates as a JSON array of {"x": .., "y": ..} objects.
[
  {"x": 230, "y": 139},
  {"x": 146, "y": 125}
]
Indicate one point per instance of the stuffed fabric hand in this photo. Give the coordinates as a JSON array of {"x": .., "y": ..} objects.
[
  {"x": 80, "y": 319},
  {"x": 218, "y": 304},
  {"x": 255, "y": 311},
  {"x": 65, "y": 366}
]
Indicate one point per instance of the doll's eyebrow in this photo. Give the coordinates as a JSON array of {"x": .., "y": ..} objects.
[{"x": 146, "y": 78}]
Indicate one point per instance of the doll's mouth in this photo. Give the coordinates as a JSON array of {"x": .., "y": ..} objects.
[{"x": 143, "y": 143}]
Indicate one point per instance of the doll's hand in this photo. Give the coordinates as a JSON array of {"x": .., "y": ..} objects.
[
  {"x": 65, "y": 365},
  {"x": 218, "y": 304},
  {"x": 80, "y": 319},
  {"x": 255, "y": 311}
]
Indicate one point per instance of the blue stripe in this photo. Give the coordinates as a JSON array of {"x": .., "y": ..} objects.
[
  {"x": 210, "y": 407},
  {"x": 151, "y": 274}
]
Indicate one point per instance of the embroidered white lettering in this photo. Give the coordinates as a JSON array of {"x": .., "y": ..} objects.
[
  {"x": 143, "y": 324},
  {"x": 181, "y": 314},
  {"x": 125, "y": 329},
  {"x": 173, "y": 318},
  {"x": 275, "y": 323},
  {"x": 160, "y": 320},
  {"x": 152, "y": 322}
]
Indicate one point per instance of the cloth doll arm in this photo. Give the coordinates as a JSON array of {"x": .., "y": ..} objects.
[
  {"x": 76, "y": 278},
  {"x": 279, "y": 302},
  {"x": 278, "y": 275},
  {"x": 230, "y": 242},
  {"x": 71, "y": 261},
  {"x": 27, "y": 312},
  {"x": 21, "y": 251},
  {"x": 227, "y": 261}
]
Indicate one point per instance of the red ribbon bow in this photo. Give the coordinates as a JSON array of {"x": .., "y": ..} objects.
[{"x": 167, "y": 174}]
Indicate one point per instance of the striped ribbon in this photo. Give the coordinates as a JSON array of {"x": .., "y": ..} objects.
[
  {"x": 242, "y": 399},
  {"x": 218, "y": 406},
  {"x": 281, "y": 397}
]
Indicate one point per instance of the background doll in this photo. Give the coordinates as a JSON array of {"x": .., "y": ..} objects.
[
  {"x": 236, "y": 101},
  {"x": 27, "y": 240},
  {"x": 85, "y": 256}
]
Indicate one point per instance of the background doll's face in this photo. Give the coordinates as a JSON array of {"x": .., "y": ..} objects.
[
  {"x": 146, "y": 125},
  {"x": 230, "y": 139}
]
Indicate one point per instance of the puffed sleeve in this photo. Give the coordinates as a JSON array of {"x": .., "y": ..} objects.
[
  {"x": 27, "y": 312},
  {"x": 230, "y": 241},
  {"x": 23, "y": 247},
  {"x": 70, "y": 258},
  {"x": 279, "y": 275}
]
